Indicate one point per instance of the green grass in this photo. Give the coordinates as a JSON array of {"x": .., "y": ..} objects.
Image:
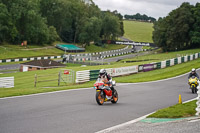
[
  {"x": 107, "y": 47},
  {"x": 24, "y": 82},
  {"x": 8, "y": 51},
  {"x": 161, "y": 73},
  {"x": 156, "y": 57},
  {"x": 176, "y": 111},
  {"x": 138, "y": 31},
  {"x": 147, "y": 47}
]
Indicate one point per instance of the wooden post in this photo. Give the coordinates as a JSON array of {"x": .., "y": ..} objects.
[
  {"x": 35, "y": 80},
  {"x": 59, "y": 79}
]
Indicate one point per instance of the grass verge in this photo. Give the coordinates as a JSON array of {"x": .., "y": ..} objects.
[
  {"x": 176, "y": 111},
  {"x": 8, "y": 51},
  {"x": 156, "y": 57},
  {"x": 24, "y": 82}
]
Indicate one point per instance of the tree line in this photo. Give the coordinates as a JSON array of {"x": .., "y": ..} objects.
[
  {"x": 45, "y": 21},
  {"x": 180, "y": 29},
  {"x": 140, "y": 17}
]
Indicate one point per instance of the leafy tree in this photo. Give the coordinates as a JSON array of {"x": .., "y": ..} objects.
[
  {"x": 195, "y": 33},
  {"x": 91, "y": 31},
  {"x": 111, "y": 26},
  {"x": 140, "y": 17},
  {"x": 174, "y": 31},
  {"x": 7, "y": 29}
]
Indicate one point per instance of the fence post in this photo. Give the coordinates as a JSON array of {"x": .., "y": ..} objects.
[
  {"x": 198, "y": 103},
  {"x": 59, "y": 79},
  {"x": 35, "y": 80}
]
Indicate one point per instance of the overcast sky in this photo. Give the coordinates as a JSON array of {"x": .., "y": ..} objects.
[{"x": 153, "y": 8}]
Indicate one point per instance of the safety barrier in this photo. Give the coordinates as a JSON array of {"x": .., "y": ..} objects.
[
  {"x": 78, "y": 57},
  {"x": 82, "y": 76},
  {"x": 6, "y": 82},
  {"x": 198, "y": 102},
  {"x": 89, "y": 75},
  {"x": 93, "y": 74}
]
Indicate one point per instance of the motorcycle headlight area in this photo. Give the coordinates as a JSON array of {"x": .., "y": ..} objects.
[{"x": 101, "y": 87}]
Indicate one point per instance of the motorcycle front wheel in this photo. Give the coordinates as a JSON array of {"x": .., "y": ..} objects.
[{"x": 100, "y": 97}]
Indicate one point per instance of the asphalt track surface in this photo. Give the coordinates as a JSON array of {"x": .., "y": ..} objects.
[
  {"x": 76, "y": 111},
  {"x": 9, "y": 67}
]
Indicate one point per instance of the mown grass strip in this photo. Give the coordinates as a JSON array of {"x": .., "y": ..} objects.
[
  {"x": 176, "y": 111},
  {"x": 138, "y": 31}
]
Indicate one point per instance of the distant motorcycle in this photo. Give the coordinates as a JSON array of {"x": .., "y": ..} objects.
[
  {"x": 193, "y": 82},
  {"x": 103, "y": 94}
]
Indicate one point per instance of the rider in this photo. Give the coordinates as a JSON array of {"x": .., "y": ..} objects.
[
  {"x": 104, "y": 74},
  {"x": 193, "y": 73}
]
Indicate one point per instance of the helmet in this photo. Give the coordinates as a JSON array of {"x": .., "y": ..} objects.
[
  {"x": 193, "y": 70},
  {"x": 102, "y": 72}
]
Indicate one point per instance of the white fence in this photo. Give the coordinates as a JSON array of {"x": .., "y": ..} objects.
[
  {"x": 82, "y": 76},
  {"x": 7, "y": 82}
]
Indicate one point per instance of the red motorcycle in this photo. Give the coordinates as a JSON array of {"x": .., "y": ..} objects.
[{"x": 104, "y": 93}]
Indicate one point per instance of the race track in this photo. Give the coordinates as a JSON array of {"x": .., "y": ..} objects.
[{"x": 76, "y": 111}]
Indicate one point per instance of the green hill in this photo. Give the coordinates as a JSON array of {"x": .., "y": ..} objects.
[{"x": 138, "y": 31}]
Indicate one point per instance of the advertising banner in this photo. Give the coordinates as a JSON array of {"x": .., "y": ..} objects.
[
  {"x": 124, "y": 71},
  {"x": 148, "y": 67}
]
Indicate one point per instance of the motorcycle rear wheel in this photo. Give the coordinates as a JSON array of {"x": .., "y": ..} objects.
[
  {"x": 100, "y": 97},
  {"x": 115, "y": 97}
]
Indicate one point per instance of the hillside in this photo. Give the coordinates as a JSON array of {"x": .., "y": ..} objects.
[{"x": 138, "y": 31}]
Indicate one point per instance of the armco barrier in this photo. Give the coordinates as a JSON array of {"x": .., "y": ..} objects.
[
  {"x": 182, "y": 59},
  {"x": 94, "y": 74},
  {"x": 163, "y": 64},
  {"x": 167, "y": 63},
  {"x": 121, "y": 51},
  {"x": 84, "y": 76},
  {"x": 6, "y": 82},
  {"x": 158, "y": 65},
  {"x": 175, "y": 61},
  {"x": 185, "y": 58},
  {"x": 172, "y": 62}
]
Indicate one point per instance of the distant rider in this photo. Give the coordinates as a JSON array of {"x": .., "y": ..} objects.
[
  {"x": 193, "y": 73},
  {"x": 103, "y": 74}
]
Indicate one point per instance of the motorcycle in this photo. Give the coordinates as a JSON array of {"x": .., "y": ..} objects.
[
  {"x": 104, "y": 93},
  {"x": 193, "y": 82}
]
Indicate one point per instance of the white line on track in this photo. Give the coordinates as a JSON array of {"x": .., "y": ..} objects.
[
  {"x": 130, "y": 122},
  {"x": 119, "y": 84}
]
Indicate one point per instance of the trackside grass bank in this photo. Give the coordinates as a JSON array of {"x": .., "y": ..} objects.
[
  {"x": 138, "y": 31},
  {"x": 176, "y": 111},
  {"x": 24, "y": 82},
  {"x": 8, "y": 51}
]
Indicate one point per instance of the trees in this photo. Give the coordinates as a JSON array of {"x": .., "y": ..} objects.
[
  {"x": 110, "y": 26},
  {"x": 195, "y": 33},
  {"x": 91, "y": 31},
  {"x": 25, "y": 22},
  {"x": 140, "y": 17},
  {"x": 178, "y": 30},
  {"x": 44, "y": 21}
]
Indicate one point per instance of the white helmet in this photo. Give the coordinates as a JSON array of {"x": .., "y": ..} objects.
[
  {"x": 102, "y": 72},
  {"x": 193, "y": 70}
]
